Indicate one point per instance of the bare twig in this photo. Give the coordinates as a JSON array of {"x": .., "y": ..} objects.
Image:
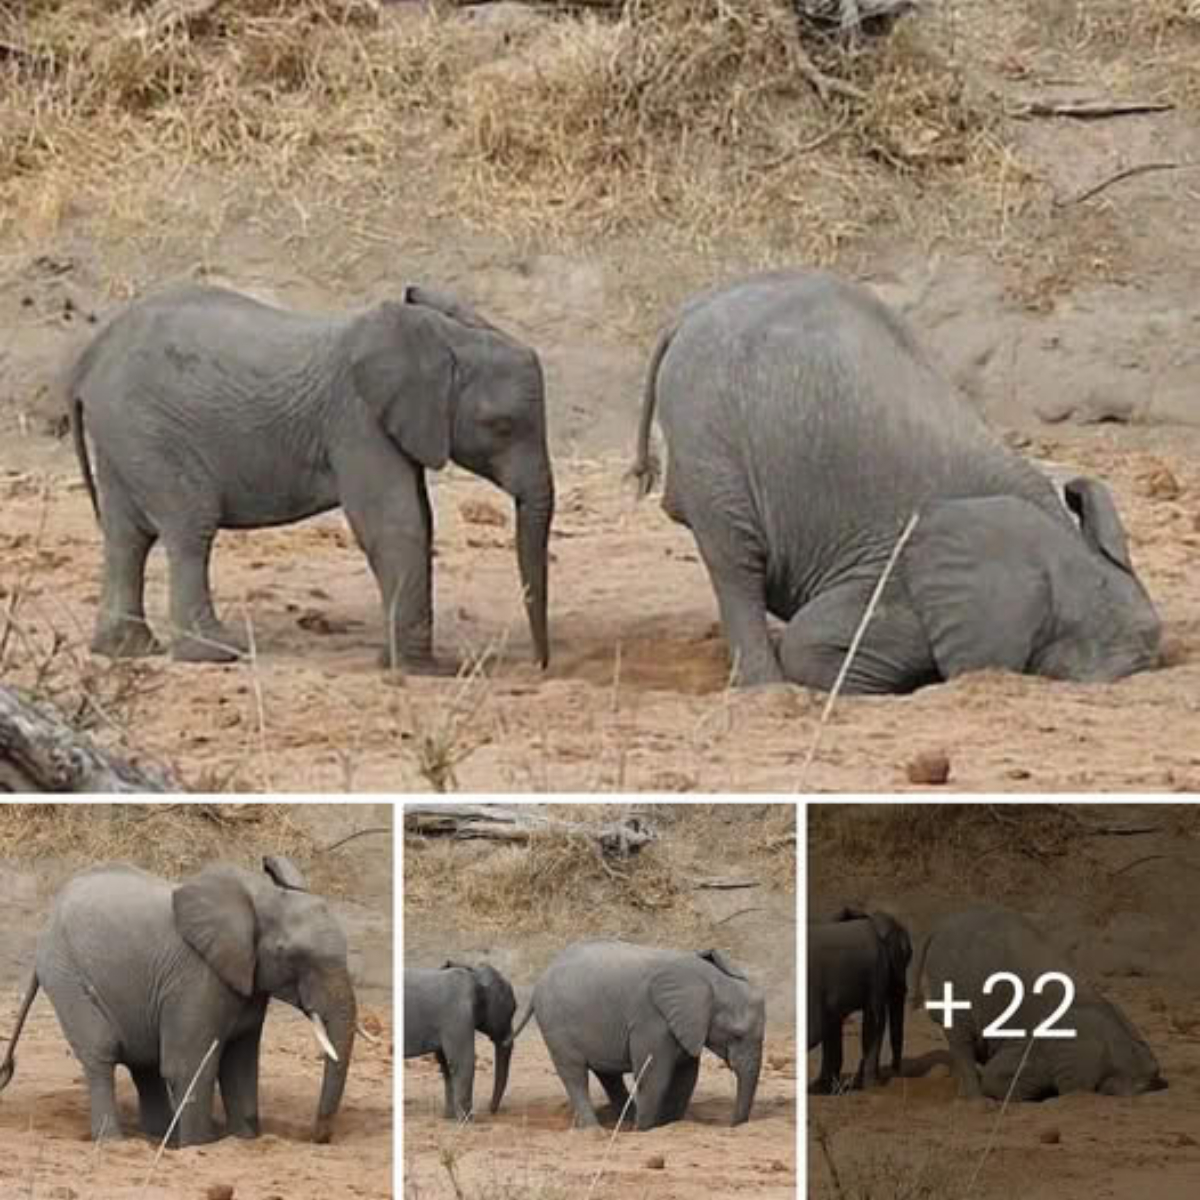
[
  {"x": 351, "y": 836},
  {"x": 741, "y": 912},
  {"x": 1089, "y": 110},
  {"x": 1125, "y": 173},
  {"x": 187, "y": 1095},
  {"x": 617, "y": 1127}
]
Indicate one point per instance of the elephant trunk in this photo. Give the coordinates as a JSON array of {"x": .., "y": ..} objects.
[
  {"x": 745, "y": 1068},
  {"x": 534, "y": 514},
  {"x": 503, "y": 1058},
  {"x": 338, "y": 1012}
]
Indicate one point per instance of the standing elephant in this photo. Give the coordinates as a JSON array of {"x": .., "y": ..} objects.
[
  {"x": 149, "y": 974},
  {"x": 442, "y": 1010},
  {"x": 209, "y": 410},
  {"x": 964, "y": 950},
  {"x": 613, "y": 1008},
  {"x": 857, "y": 962},
  {"x": 805, "y": 426}
]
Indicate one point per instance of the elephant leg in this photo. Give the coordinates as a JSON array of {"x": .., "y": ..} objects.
[
  {"x": 738, "y": 580},
  {"x": 184, "y": 1066},
  {"x": 1000, "y": 1073},
  {"x": 458, "y": 1078},
  {"x": 121, "y": 629},
  {"x": 102, "y": 1098},
  {"x": 672, "y": 504},
  {"x": 238, "y": 1076},
  {"x": 893, "y": 655},
  {"x": 154, "y": 1105},
  {"x": 387, "y": 506},
  {"x": 614, "y": 1087},
  {"x": 95, "y": 1044},
  {"x": 198, "y": 635},
  {"x": 830, "y": 1074},
  {"x": 654, "y": 1087},
  {"x": 867, "y": 1074},
  {"x": 679, "y": 1094},
  {"x": 574, "y": 1076},
  {"x": 962, "y": 1056}
]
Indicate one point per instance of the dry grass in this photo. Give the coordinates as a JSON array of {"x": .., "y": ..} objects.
[
  {"x": 559, "y": 883},
  {"x": 172, "y": 839},
  {"x": 690, "y": 110}
]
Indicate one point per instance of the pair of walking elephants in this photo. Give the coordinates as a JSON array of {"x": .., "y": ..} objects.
[
  {"x": 806, "y": 430},
  {"x": 173, "y": 981},
  {"x": 608, "y": 1007},
  {"x": 993, "y": 964}
]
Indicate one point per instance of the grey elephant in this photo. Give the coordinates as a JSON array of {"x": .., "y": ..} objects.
[
  {"x": 148, "y": 974},
  {"x": 804, "y": 427},
  {"x": 615, "y": 1008},
  {"x": 857, "y": 962},
  {"x": 442, "y": 1010},
  {"x": 1106, "y": 1055},
  {"x": 209, "y": 410}
]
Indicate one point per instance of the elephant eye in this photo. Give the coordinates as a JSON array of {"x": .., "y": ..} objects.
[{"x": 502, "y": 427}]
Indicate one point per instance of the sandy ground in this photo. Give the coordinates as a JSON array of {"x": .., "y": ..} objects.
[
  {"x": 528, "y": 1148},
  {"x": 44, "y": 1119},
  {"x": 636, "y": 696},
  {"x": 1134, "y": 940}
]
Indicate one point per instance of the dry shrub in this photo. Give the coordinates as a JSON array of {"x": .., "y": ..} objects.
[
  {"x": 557, "y": 881},
  {"x": 173, "y": 839},
  {"x": 698, "y": 110}
]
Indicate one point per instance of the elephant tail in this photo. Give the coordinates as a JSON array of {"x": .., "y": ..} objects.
[
  {"x": 75, "y": 417},
  {"x": 646, "y": 467},
  {"x": 10, "y": 1063},
  {"x": 917, "y": 994},
  {"x": 512, "y": 1037}
]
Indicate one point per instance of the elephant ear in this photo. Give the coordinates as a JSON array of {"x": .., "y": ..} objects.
[
  {"x": 215, "y": 916},
  {"x": 403, "y": 367},
  {"x": 684, "y": 998},
  {"x": 723, "y": 964},
  {"x": 448, "y": 306},
  {"x": 1099, "y": 523},
  {"x": 976, "y": 572},
  {"x": 284, "y": 872}
]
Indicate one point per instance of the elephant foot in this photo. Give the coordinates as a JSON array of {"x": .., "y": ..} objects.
[
  {"x": 247, "y": 1128},
  {"x": 821, "y": 1087},
  {"x": 108, "y": 1131},
  {"x": 126, "y": 639},
  {"x": 422, "y": 664},
  {"x": 212, "y": 646}
]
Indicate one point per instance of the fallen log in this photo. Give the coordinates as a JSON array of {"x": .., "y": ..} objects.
[
  {"x": 615, "y": 839},
  {"x": 41, "y": 752}
]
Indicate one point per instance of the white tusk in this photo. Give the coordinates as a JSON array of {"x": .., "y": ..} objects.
[{"x": 322, "y": 1036}]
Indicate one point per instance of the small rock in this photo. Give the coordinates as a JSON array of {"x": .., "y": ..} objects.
[
  {"x": 778, "y": 1167},
  {"x": 482, "y": 512},
  {"x": 1019, "y": 773},
  {"x": 655, "y": 1162},
  {"x": 1185, "y": 1139},
  {"x": 316, "y": 621},
  {"x": 219, "y": 1191},
  {"x": 930, "y": 766},
  {"x": 1050, "y": 1137}
]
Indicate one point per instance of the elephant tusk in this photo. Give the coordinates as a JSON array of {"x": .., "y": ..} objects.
[{"x": 322, "y": 1036}]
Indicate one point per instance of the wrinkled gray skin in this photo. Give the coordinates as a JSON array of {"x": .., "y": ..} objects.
[
  {"x": 442, "y": 1010},
  {"x": 804, "y": 426},
  {"x": 1108, "y": 1055},
  {"x": 606, "y": 1006},
  {"x": 857, "y": 962},
  {"x": 146, "y": 974},
  {"x": 209, "y": 410}
]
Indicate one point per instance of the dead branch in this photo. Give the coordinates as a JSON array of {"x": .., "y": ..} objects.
[
  {"x": 40, "y": 752},
  {"x": 1126, "y": 173},
  {"x": 722, "y": 883},
  {"x": 617, "y": 839},
  {"x": 1088, "y": 110}
]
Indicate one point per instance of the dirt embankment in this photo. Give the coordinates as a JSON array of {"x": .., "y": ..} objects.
[
  {"x": 576, "y": 178},
  {"x": 516, "y": 907},
  {"x": 1115, "y": 888},
  {"x": 44, "y": 1115}
]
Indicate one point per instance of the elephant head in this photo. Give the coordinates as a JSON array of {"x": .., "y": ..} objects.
[
  {"x": 446, "y": 385},
  {"x": 707, "y": 1001},
  {"x": 1107, "y": 1055},
  {"x": 268, "y": 935},
  {"x": 999, "y": 582},
  {"x": 495, "y": 1004}
]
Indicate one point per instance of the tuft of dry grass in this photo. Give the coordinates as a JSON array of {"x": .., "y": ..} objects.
[{"x": 172, "y": 839}]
